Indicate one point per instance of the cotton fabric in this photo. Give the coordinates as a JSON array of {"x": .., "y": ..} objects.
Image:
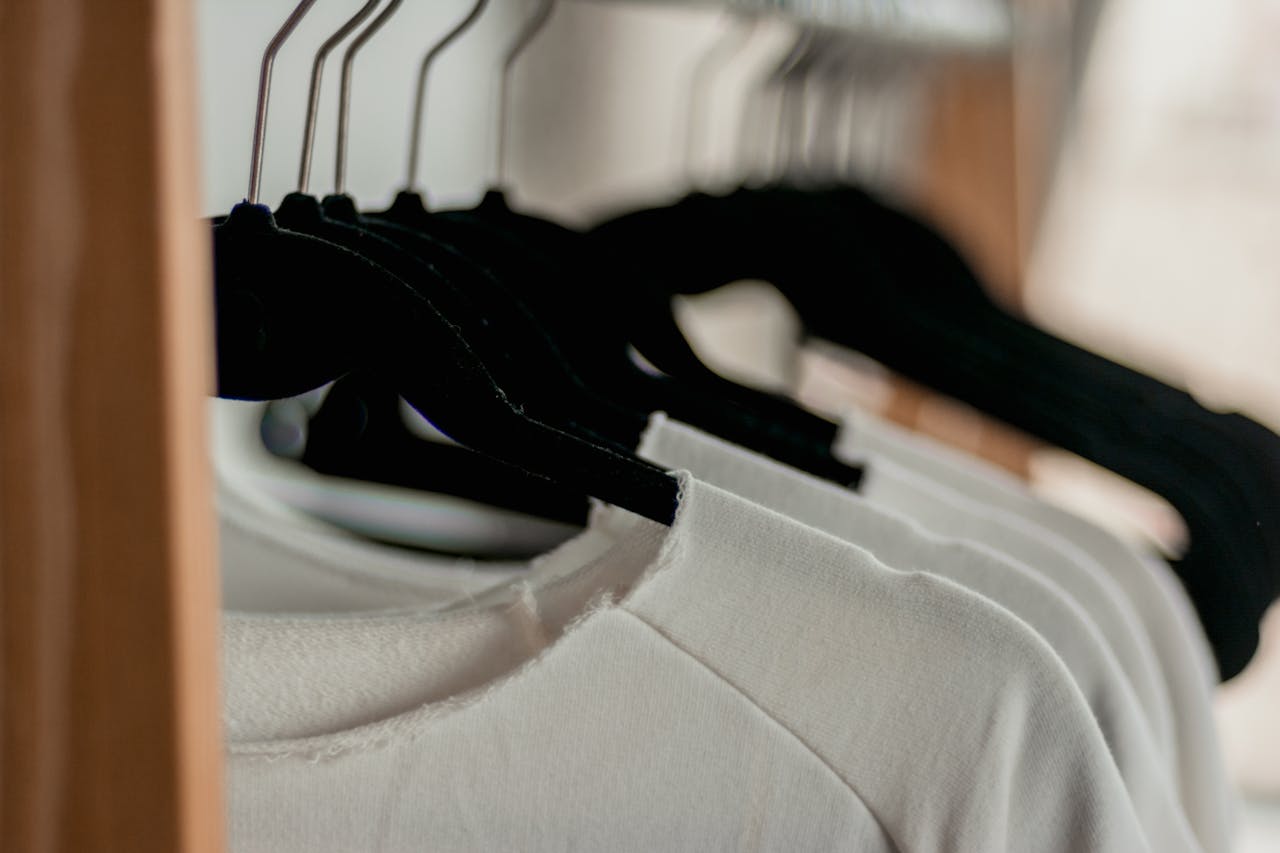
[
  {"x": 727, "y": 683},
  {"x": 278, "y": 556},
  {"x": 906, "y": 546},
  {"x": 949, "y": 513},
  {"x": 408, "y": 517},
  {"x": 1153, "y": 593}
]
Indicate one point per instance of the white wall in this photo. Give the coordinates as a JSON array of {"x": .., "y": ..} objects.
[{"x": 596, "y": 117}]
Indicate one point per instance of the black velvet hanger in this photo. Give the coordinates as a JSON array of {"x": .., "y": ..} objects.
[
  {"x": 483, "y": 238},
  {"x": 521, "y": 358},
  {"x": 529, "y": 356},
  {"x": 863, "y": 275},
  {"x": 575, "y": 297},
  {"x": 523, "y": 361},
  {"x": 358, "y": 433},
  {"x": 295, "y": 312},
  {"x": 1222, "y": 472},
  {"x": 578, "y": 322}
]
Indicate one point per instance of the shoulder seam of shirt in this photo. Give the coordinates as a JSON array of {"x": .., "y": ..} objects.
[{"x": 844, "y": 783}]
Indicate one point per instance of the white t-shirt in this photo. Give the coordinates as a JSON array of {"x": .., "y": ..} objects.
[
  {"x": 1154, "y": 594},
  {"x": 408, "y": 517},
  {"x": 890, "y": 486},
  {"x": 906, "y": 546},
  {"x": 277, "y": 556},
  {"x": 276, "y": 560},
  {"x": 264, "y": 549},
  {"x": 738, "y": 681}
]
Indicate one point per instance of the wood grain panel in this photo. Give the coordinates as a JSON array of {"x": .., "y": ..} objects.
[{"x": 108, "y": 689}]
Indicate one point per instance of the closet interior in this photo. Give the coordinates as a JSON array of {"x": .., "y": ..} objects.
[{"x": 562, "y": 424}]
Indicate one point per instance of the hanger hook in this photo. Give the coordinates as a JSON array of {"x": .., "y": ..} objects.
[
  {"x": 420, "y": 94},
  {"x": 814, "y": 121},
  {"x": 824, "y": 148},
  {"x": 758, "y": 126},
  {"x": 313, "y": 95},
  {"x": 847, "y": 135},
  {"x": 344, "y": 91},
  {"x": 530, "y": 29},
  {"x": 788, "y": 137},
  {"x": 264, "y": 91},
  {"x": 742, "y": 26}
]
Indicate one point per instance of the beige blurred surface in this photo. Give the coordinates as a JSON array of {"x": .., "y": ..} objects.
[{"x": 1161, "y": 248}]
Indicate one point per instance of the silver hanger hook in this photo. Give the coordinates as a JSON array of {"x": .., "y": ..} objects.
[
  {"x": 872, "y": 122},
  {"x": 726, "y": 46},
  {"x": 852, "y": 117},
  {"x": 758, "y": 127},
  {"x": 344, "y": 92},
  {"x": 831, "y": 75},
  {"x": 264, "y": 91},
  {"x": 420, "y": 93},
  {"x": 531, "y": 28},
  {"x": 820, "y": 128},
  {"x": 313, "y": 95},
  {"x": 791, "y": 77}
]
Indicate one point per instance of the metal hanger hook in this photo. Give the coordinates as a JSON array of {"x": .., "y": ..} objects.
[
  {"x": 788, "y": 79},
  {"x": 344, "y": 92},
  {"x": 826, "y": 78},
  {"x": 531, "y": 28},
  {"x": 759, "y": 125},
  {"x": 313, "y": 95},
  {"x": 420, "y": 93},
  {"x": 264, "y": 92}
]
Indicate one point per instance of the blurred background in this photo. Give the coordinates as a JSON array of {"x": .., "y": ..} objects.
[
  {"x": 1159, "y": 248},
  {"x": 1112, "y": 168}
]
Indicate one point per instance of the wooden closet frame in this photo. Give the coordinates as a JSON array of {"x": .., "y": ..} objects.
[{"x": 109, "y": 708}]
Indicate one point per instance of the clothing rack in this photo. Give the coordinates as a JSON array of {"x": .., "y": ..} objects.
[{"x": 109, "y": 728}]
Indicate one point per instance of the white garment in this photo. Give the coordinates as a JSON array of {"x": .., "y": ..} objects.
[
  {"x": 949, "y": 513},
  {"x": 739, "y": 681},
  {"x": 405, "y": 516},
  {"x": 1155, "y": 595},
  {"x": 905, "y": 546},
  {"x": 275, "y": 555},
  {"x": 275, "y": 560}
]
